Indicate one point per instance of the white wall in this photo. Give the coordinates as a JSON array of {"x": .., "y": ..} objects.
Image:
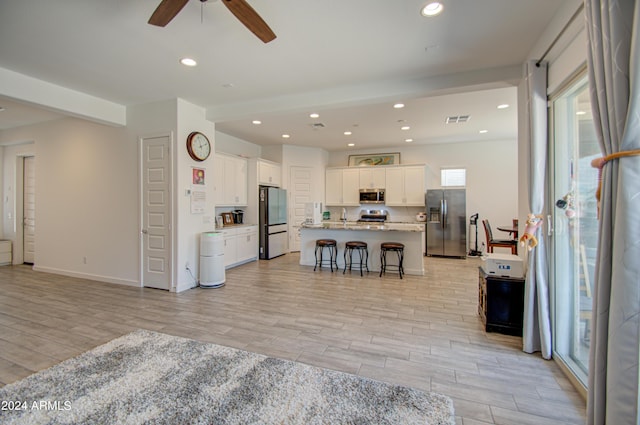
[
  {"x": 3, "y": 200},
  {"x": 234, "y": 146},
  {"x": 492, "y": 176},
  {"x": 86, "y": 198},
  {"x": 191, "y": 225}
]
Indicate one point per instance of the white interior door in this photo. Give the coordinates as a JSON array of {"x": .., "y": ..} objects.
[
  {"x": 29, "y": 210},
  {"x": 300, "y": 183},
  {"x": 156, "y": 212}
]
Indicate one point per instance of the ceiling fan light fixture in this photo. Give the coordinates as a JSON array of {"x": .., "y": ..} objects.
[
  {"x": 433, "y": 8},
  {"x": 188, "y": 62}
]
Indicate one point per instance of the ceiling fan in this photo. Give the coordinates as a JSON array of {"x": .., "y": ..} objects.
[{"x": 168, "y": 9}]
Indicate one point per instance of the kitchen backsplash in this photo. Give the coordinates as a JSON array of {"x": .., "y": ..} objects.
[{"x": 396, "y": 214}]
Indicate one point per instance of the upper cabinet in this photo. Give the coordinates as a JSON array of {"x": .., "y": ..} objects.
[
  {"x": 269, "y": 173},
  {"x": 342, "y": 187},
  {"x": 405, "y": 186},
  {"x": 230, "y": 180},
  {"x": 372, "y": 178}
]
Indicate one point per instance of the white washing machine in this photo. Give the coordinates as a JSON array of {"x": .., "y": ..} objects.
[{"x": 212, "y": 273}]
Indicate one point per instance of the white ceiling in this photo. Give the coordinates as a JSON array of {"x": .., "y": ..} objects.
[{"x": 348, "y": 60}]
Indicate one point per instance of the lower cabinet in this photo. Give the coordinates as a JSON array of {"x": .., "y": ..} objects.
[
  {"x": 501, "y": 303},
  {"x": 240, "y": 245}
]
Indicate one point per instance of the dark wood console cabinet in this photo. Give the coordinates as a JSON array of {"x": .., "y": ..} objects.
[{"x": 500, "y": 303}]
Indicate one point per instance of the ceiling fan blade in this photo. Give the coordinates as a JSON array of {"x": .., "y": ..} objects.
[
  {"x": 166, "y": 11},
  {"x": 250, "y": 19}
]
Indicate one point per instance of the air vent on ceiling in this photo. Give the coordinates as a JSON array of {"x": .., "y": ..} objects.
[
  {"x": 317, "y": 125},
  {"x": 456, "y": 119}
]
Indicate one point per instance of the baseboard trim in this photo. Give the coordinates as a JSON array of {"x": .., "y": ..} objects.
[{"x": 89, "y": 276}]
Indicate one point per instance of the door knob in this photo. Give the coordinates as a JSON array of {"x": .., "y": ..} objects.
[{"x": 144, "y": 231}]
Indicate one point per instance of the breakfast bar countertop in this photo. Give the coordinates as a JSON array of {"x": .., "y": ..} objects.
[
  {"x": 411, "y": 235},
  {"x": 354, "y": 225}
]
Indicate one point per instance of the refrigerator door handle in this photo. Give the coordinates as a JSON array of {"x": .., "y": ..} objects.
[{"x": 444, "y": 213}]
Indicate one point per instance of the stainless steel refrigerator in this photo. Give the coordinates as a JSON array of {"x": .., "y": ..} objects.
[
  {"x": 446, "y": 222},
  {"x": 273, "y": 222}
]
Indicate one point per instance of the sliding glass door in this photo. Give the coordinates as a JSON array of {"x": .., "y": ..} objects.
[{"x": 575, "y": 228}]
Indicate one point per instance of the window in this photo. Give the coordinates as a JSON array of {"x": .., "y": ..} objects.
[{"x": 453, "y": 177}]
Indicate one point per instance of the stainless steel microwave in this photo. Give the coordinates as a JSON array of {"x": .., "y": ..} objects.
[{"x": 372, "y": 196}]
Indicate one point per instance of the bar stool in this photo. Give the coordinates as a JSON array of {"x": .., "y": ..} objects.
[
  {"x": 331, "y": 245},
  {"x": 396, "y": 247},
  {"x": 361, "y": 247}
]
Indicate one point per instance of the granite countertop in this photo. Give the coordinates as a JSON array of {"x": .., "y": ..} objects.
[{"x": 353, "y": 225}]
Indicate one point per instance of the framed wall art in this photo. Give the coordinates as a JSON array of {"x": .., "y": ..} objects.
[
  {"x": 374, "y": 159},
  {"x": 227, "y": 218},
  {"x": 197, "y": 176}
]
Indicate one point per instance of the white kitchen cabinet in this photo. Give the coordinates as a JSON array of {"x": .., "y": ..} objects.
[
  {"x": 5, "y": 252},
  {"x": 342, "y": 187},
  {"x": 405, "y": 186},
  {"x": 230, "y": 246},
  {"x": 247, "y": 244},
  {"x": 372, "y": 178},
  {"x": 230, "y": 180},
  {"x": 269, "y": 173},
  {"x": 240, "y": 245}
]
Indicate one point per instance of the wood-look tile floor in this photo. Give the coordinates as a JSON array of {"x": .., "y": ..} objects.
[{"x": 422, "y": 332}]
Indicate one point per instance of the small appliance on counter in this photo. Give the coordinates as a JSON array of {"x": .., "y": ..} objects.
[
  {"x": 238, "y": 216},
  {"x": 421, "y": 216},
  {"x": 312, "y": 212}
]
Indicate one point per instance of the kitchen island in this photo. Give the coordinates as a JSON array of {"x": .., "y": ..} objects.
[{"x": 411, "y": 235}]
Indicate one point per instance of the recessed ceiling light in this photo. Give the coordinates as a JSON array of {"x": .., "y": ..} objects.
[
  {"x": 503, "y": 106},
  {"x": 188, "y": 62},
  {"x": 314, "y": 115},
  {"x": 408, "y": 140},
  {"x": 351, "y": 144},
  {"x": 256, "y": 122},
  {"x": 406, "y": 127},
  {"x": 484, "y": 131},
  {"x": 581, "y": 113},
  {"x": 348, "y": 133},
  {"x": 285, "y": 136},
  {"x": 432, "y": 9},
  {"x": 399, "y": 105}
]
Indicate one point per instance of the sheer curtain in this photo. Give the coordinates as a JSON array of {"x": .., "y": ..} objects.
[
  {"x": 536, "y": 332},
  {"x": 612, "y": 28}
]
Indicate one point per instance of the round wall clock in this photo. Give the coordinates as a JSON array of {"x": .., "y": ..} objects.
[{"x": 198, "y": 146}]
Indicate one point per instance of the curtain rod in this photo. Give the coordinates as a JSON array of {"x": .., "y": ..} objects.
[{"x": 555, "y": 40}]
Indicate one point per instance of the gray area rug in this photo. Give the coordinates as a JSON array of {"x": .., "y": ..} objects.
[{"x": 148, "y": 377}]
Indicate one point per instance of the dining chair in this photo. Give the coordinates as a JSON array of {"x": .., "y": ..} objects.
[{"x": 498, "y": 243}]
